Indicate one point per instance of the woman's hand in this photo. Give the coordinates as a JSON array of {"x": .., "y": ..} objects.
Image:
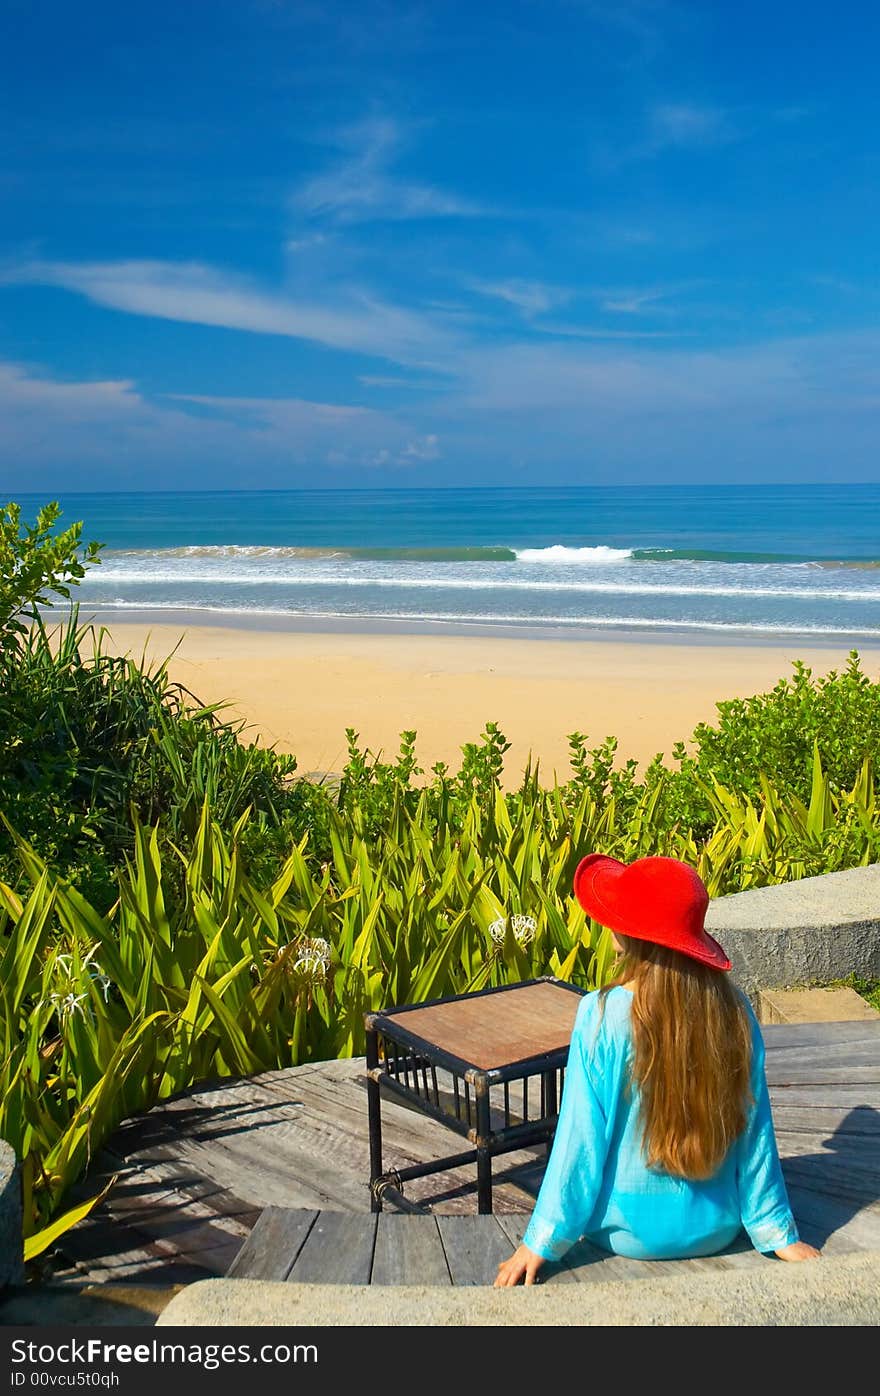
[
  {"x": 798, "y": 1250},
  {"x": 522, "y": 1265}
]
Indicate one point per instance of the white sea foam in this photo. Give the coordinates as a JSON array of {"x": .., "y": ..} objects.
[
  {"x": 573, "y": 557},
  {"x": 404, "y": 580},
  {"x": 219, "y": 551},
  {"x": 489, "y": 618}
]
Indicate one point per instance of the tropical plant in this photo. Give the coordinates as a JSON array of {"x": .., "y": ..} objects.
[
  {"x": 86, "y": 736},
  {"x": 37, "y": 564},
  {"x": 102, "y": 1015},
  {"x": 200, "y": 971}
]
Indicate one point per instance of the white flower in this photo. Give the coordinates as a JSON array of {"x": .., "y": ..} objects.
[
  {"x": 66, "y": 1000},
  {"x": 65, "y": 1004},
  {"x": 523, "y": 928},
  {"x": 313, "y": 959}
]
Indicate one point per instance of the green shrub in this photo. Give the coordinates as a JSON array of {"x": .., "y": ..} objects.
[{"x": 36, "y": 565}]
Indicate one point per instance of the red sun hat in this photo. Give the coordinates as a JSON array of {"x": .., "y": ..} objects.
[{"x": 657, "y": 899}]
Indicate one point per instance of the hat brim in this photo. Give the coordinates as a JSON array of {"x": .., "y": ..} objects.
[{"x": 597, "y": 889}]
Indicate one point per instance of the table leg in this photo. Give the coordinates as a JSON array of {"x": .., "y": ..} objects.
[
  {"x": 484, "y": 1180},
  {"x": 484, "y": 1156},
  {"x": 374, "y": 1110}
]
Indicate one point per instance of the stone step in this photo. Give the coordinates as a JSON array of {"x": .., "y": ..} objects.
[
  {"x": 839, "y": 1290},
  {"x": 814, "y": 1005}
]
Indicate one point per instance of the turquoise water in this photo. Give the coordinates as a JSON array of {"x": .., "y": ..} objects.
[{"x": 781, "y": 560}]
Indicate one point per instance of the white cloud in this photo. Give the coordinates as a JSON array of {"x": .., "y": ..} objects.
[
  {"x": 359, "y": 188},
  {"x": 631, "y": 302},
  {"x": 116, "y": 437},
  {"x": 376, "y": 380},
  {"x": 673, "y": 126},
  {"x": 557, "y": 331},
  {"x": 797, "y": 408},
  {"x": 830, "y": 373},
  {"x": 686, "y": 124},
  {"x": 531, "y": 297},
  {"x": 423, "y": 448},
  {"x": 197, "y": 294}
]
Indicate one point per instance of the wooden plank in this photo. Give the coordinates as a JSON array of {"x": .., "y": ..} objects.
[
  {"x": 856, "y": 1182},
  {"x": 550, "y": 1273},
  {"x": 474, "y": 1246},
  {"x": 798, "y": 1144},
  {"x": 838, "y": 1116},
  {"x": 818, "y": 1093},
  {"x": 160, "y": 1211},
  {"x": 112, "y": 1255},
  {"x": 331, "y": 1123},
  {"x": 858, "y": 1058},
  {"x": 861, "y": 1229},
  {"x": 867, "y": 1078},
  {"x": 815, "y": 1053},
  {"x": 274, "y": 1244},
  {"x": 338, "y": 1250},
  {"x": 296, "y": 1177},
  {"x": 589, "y": 1263},
  {"x": 408, "y": 1251},
  {"x": 778, "y": 1036},
  {"x": 740, "y": 1255},
  {"x": 201, "y": 1192},
  {"x": 180, "y": 1231}
]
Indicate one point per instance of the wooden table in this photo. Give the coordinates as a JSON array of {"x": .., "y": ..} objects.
[{"x": 468, "y": 1061}]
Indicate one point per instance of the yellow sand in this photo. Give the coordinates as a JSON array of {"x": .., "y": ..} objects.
[{"x": 299, "y": 691}]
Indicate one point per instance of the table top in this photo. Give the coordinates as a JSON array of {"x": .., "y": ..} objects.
[{"x": 493, "y": 1028}]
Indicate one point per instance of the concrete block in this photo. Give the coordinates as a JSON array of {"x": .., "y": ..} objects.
[
  {"x": 11, "y": 1254},
  {"x": 839, "y": 1005},
  {"x": 838, "y": 1290},
  {"x": 807, "y": 932}
]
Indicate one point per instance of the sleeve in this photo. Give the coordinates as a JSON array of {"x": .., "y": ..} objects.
[
  {"x": 764, "y": 1206},
  {"x": 574, "y": 1170}
]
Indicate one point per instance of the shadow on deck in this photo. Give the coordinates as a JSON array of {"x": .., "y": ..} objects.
[{"x": 196, "y": 1174}]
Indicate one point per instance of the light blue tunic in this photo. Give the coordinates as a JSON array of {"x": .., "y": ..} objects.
[{"x": 597, "y": 1184}]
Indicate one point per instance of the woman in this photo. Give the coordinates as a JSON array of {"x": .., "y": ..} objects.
[{"x": 664, "y": 1147}]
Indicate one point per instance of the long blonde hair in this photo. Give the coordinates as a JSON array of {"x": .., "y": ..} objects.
[{"x": 692, "y": 1050}]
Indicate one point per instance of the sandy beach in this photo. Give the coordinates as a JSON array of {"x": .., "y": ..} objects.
[{"x": 300, "y": 689}]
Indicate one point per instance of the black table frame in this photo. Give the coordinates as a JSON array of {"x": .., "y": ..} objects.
[{"x": 405, "y": 1065}]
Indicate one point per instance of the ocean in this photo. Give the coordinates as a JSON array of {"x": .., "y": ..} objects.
[{"x": 724, "y": 561}]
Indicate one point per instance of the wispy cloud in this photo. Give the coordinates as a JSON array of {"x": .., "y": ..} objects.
[
  {"x": 561, "y": 331},
  {"x": 673, "y": 126},
  {"x": 193, "y": 293},
  {"x": 796, "y": 376},
  {"x": 598, "y": 410},
  {"x": 632, "y": 302},
  {"x": 643, "y": 24},
  {"x": 359, "y": 187},
  {"x": 107, "y": 428},
  {"x": 642, "y": 300},
  {"x": 379, "y": 380},
  {"x": 416, "y": 452},
  {"x": 336, "y": 433},
  {"x": 31, "y": 393},
  {"x": 530, "y": 297},
  {"x": 183, "y": 439},
  {"x": 687, "y": 124}
]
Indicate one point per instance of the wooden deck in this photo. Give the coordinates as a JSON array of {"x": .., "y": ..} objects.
[
  {"x": 195, "y": 1175},
  {"x": 302, "y": 1247}
]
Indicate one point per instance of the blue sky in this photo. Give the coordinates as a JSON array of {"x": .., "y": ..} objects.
[{"x": 272, "y": 244}]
